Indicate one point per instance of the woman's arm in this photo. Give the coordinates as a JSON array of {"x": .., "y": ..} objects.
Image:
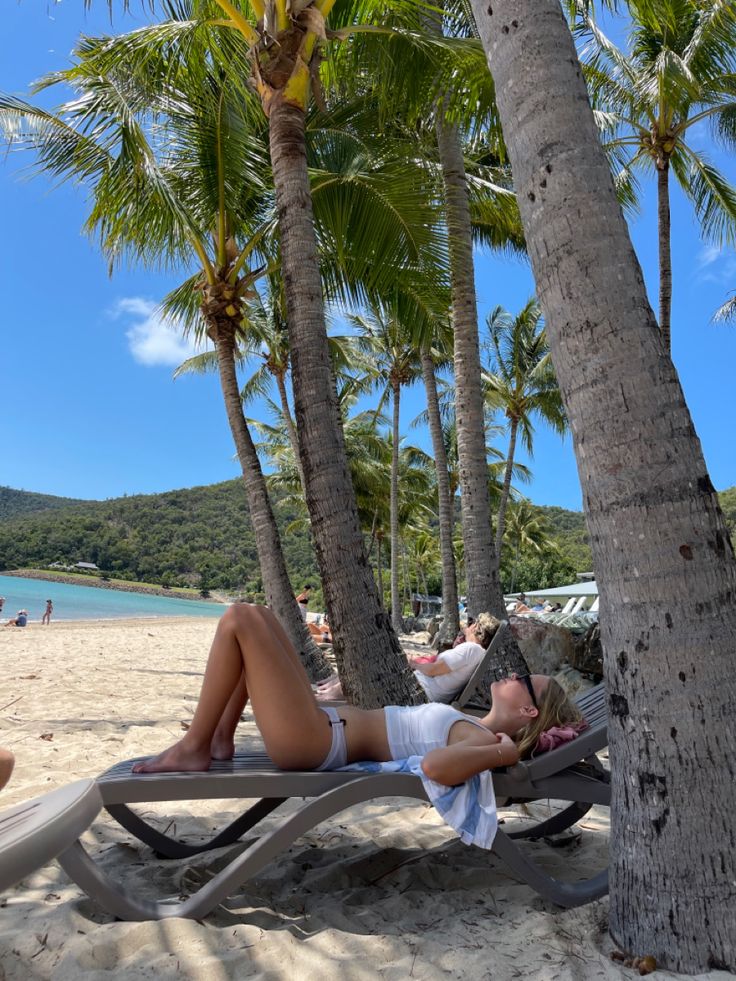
[
  {"x": 431, "y": 669},
  {"x": 455, "y": 764}
]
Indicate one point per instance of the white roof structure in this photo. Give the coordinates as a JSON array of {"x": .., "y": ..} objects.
[{"x": 562, "y": 592}]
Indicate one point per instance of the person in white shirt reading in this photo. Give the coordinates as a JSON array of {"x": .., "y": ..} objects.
[{"x": 444, "y": 678}]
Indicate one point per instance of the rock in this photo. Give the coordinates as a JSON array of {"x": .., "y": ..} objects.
[
  {"x": 433, "y": 626},
  {"x": 545, "y": 646},
  {"x": 572, "y": 681},
  {"x": 587, "y": 654},
  {"x": 420, "y": 637}
]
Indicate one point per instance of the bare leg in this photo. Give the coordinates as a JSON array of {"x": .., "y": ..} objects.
[
  {"x": 223, "y": 741},
  {"x": 251, "y": 644}
]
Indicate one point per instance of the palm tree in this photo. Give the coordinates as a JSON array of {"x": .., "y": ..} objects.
[
  {"x": 663, "y": 559},
  {"x": 284, "y": 51},
  {"x": 527, "y": 531},
  {"x": 429, "y": 358},
  {"x": 263, "y": 337},
  {"x": 385, "y": 337},
  {"x": 277, "y": 50},
  {"x": 440, "y": 90},
  {"x": 726, "y": 313},
  {"x": 178, "y": 176},
  {"x": 163, "y": 93},
  {"x": 521, "y": 383},
  {"x": 679, "y": 71}
]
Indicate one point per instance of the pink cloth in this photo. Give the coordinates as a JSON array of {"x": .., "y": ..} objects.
[
  {"x": 557, "y": 736},
  {"x": 426, "y": 658}
]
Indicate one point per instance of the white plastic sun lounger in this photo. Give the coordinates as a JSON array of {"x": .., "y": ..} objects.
[
  {"x": 571, "y": 773},
  {"x": 33, "y": 833}
]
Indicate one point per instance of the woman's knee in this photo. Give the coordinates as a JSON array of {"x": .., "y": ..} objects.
[
  {"x": 241, "y": 615},
  {"x": 237, "y": 616},
  {"x": 7, "y": 762}
]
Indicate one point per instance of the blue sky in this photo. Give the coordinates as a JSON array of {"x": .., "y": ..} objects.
[{"x": 89, "y": 407}]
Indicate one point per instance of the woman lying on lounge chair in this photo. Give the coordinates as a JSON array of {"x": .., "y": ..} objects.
[{"x": 252, "y": 658}]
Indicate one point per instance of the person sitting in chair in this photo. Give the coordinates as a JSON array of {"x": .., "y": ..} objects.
[{"x": 445, "y": 677}]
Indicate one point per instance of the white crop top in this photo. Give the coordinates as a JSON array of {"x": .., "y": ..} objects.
[{"x": 414, "y": 730}]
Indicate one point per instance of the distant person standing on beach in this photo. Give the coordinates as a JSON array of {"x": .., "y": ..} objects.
[
  {"x": 303, "y": 601},
  {"x": 2, "y": 603},
  {"x": 46, "y": 618}
]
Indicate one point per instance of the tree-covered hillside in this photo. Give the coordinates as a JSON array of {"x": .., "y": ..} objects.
[
  {"x": 198, "y": 536},
  {"x": 202, "y": 536},
  {"x": 571, "y": 533},
  {"x": 17, "y": 502}
]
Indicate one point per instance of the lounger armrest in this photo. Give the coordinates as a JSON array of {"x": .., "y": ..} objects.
[{"x": 556, "y": 760}]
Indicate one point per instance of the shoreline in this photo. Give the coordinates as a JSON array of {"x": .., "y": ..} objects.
[{"x": 99, "y": 583}]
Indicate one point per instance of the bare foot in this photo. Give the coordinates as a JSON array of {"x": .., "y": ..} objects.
[
  {"x": 222, "y": 749},
  {"x": 176, "y": 759}
]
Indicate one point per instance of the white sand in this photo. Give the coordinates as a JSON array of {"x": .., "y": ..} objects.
[{"x": 384, "y": 890}]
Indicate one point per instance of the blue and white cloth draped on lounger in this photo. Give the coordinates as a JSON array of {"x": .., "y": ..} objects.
[{"x": 469, "y": 808}]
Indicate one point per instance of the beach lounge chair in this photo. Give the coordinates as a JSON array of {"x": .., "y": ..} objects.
[
  {"x": 473, "y": 697},
  {"x": 33, "y": 833},
  {"x": 570, "y": 773}
]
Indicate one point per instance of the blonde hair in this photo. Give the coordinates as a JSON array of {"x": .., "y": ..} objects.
[
  {"x": 555, "y": 709},
  {"x": 486, "y": 626}
]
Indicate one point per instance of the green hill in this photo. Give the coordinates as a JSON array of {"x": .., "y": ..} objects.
[
  {"x": 17, "y": 502},
  {"x": 568, "y": 528},
  {"x": 202, "y": 536},
  {"x": 199, "y": 536}
]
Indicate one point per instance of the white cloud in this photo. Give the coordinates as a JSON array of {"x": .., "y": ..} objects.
[
  {"x": 708, "y": 255},
  {"x": 151, "y": 339},
  {"x": 716, "y": 265}
]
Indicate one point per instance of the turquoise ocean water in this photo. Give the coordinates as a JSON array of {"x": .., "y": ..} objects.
[{"x": 91, "y": 603}]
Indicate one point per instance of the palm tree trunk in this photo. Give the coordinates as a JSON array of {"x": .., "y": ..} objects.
[
  {"x": 289, "y": 423},
  {"x": 370, "y": 662},
  {"x": 664, "y": 561},
  {"x": 506, "y": 490},
  {"x": 450, "y": 626},
  {"x": 481, "y": 568},
  {"x": 665, "y": 258},
  {"x": 279, "y": 594},
  {"x": 379, "y": 567},
  {"x": 396, "y": 604}
]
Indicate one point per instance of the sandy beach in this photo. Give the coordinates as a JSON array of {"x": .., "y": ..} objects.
[{"x": 384, "y": 890}]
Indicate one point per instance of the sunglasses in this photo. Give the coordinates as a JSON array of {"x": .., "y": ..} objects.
[{"x": 527, "y": 680}]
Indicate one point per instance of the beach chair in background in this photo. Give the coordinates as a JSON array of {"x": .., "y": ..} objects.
[
  {"x": 569, "y": 773},
  {"x": 473, "y": 698},
  {"x": 567, "y": 608},
  {"x": 594, "y": 605}
]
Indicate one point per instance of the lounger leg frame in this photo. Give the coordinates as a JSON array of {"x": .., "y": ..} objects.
[
  {"x": 168, "y": 847},
  {"x": 565, "y": 894},
  {"x": 79, "y": 866}
]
